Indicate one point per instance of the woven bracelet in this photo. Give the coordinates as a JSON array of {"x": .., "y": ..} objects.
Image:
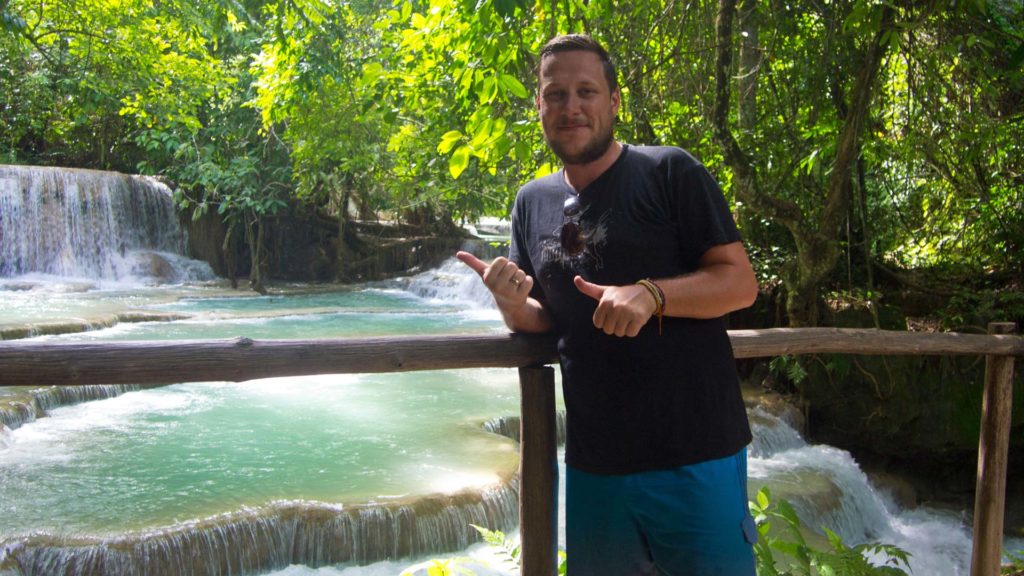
[{"x": 659, "y": 299}]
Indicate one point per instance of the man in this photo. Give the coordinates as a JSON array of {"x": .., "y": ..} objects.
[{"x": 631, "y": 256}]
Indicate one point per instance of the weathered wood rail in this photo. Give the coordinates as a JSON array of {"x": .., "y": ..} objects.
[{"x": 36, "y": 363}]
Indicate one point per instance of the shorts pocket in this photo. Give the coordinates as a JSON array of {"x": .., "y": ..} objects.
[{"x": 749, "y": 530}]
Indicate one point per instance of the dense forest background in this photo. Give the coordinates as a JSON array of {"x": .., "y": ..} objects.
[
  {"x": 868, "y": 146},
  {"x": 871, "y": 150}
]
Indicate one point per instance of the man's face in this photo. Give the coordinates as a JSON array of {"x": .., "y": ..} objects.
[{"x": 577, "y": 108}]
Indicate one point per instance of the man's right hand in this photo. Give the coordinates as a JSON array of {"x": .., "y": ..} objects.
[{"x": 509, "y": 285}]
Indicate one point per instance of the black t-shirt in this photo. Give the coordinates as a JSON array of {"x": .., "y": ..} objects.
[{"x": 652, "y": 402}]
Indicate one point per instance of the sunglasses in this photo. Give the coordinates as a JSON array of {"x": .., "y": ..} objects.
[{"x": 572, "y": 239}]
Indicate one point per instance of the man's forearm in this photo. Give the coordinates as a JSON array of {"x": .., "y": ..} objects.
[
  {"x": 708, "y": 293},
  {"x": 724, "y": 283},
  {"x": 530, "y": 317}
]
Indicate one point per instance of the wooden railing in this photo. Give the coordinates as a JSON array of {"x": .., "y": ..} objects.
[{"x": 35, "y": 363}]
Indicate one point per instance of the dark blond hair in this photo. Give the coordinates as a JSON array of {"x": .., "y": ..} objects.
[{"x": 582, "y": 42}]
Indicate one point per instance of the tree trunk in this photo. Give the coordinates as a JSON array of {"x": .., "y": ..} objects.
[
  {"x": 750, "y": 62},
  {"x": 228, "y": 249},
  {"x": 343, "y": 256},
  {"x": 817, "y": 235},
  {"x": 254, "y": 235},
  {"x": 817, "y": 263}
]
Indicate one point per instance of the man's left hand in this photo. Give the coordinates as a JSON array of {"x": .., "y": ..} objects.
[{"x": 621, "y": 310}]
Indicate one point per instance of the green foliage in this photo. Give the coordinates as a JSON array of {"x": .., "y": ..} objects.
[
  {"x": 973, "y": 308},
  {"x": 448, "y": 567},
  {"x": 498, "y": 540},
  {"x": 395, "y": 107},
  {"x": 509, "y": 549},
  {"x": 788, "y": 367},
  {"x": 780, "y": 533},
  {"x": 1015, "y": 566},
  {"x": 781, "y": 549},
  {"x": 951, "y": 112}
]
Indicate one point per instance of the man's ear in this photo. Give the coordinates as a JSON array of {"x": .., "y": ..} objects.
[{"x": 616, "y": 100}]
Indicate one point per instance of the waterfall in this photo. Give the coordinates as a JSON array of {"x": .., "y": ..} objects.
[
  {"x": 16, "y": 411},
  {"x": 827, "y": 488},
  {"x": 825, "y": 484},
  {"x": 772, "y": 434},
  {"x": 508, "y": 426},
  {"x": 453, "y": 281},
  {"x": 57, "y": 396},
  {"x": 259, "y": 538},
  {"x": 275, "y": 536},
  {"x": 91, "y": 224}
]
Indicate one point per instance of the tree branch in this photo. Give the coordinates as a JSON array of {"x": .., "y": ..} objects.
[{"x": 747, "y": 189}]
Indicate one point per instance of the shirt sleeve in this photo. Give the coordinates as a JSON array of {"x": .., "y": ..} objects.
[{"x": 703, "y": 213}]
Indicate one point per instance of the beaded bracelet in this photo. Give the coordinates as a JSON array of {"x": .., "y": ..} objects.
[{"x": 659, "y": 299}]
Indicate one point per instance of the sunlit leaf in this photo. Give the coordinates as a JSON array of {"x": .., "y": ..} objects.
[
  {"x": 459, "y": 161},
  {"x": 448, "y": 141},
  {"x": 512, "y": 85}
]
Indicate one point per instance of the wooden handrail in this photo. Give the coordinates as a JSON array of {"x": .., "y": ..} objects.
[{"x": 38, "y": 363}]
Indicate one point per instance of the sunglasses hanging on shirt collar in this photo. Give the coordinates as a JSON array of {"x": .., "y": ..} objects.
[{"x": 571, "y": 238}]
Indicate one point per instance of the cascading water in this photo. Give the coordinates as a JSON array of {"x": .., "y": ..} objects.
[
  {"x": 91, "y": 224},
  {"x": 829, "y": 490},
  {"x": 328, "y": 471},
  {"x": 149, "y": 469},
  {"x": 450, "y": 282},
  {"x": 255, "y": 476},
  {"x": 825, "y": 486}
]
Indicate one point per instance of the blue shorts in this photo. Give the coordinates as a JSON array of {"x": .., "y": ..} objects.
[{"x": 691, "y": 521}]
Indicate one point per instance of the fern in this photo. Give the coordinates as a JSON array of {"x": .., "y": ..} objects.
[
  {"x": 497, "y": 539},
  {"x": 789, "y": 367}
]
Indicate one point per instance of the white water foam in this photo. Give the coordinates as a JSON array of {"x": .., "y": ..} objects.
[
  {"x": 451, "y": 282},
  {"x": 91, "y": 224},
  {"x": 939, "y": 542},
  {"x": 53, "y": 439},
  {"x": 6, "y": 437},
  {"x": 772, "y": 434}
]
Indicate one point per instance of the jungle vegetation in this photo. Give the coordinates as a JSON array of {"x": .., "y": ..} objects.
[{"x": 864, "y": 144}]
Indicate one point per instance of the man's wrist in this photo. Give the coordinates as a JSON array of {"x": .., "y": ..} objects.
[{"x": 659, "y": 298}]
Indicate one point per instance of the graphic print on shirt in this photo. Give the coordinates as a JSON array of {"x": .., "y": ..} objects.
[{"x": 585, "y": 234}]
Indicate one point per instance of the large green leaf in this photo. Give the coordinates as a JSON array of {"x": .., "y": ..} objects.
[{"x": 459, "y": 161}]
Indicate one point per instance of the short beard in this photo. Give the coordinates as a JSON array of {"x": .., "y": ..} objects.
[{"x": 592, "y": 151}]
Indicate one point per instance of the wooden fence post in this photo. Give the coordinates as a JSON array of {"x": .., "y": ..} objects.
[
  {"x": 993, "y": 451},
  {"x": 538, "y": 473}
]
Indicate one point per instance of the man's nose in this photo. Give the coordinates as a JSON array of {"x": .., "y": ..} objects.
[{"x": 573, "y": 103}]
